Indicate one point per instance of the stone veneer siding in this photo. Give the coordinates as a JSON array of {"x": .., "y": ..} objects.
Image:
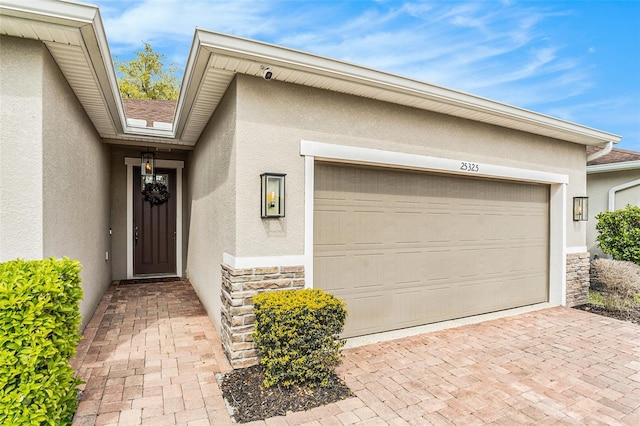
[
  {"x": 238, "y": 288},
  {"x": 577, "y": 278},
  {"x": 240, "y": 285}
]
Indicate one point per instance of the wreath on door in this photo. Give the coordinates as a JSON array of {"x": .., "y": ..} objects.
[{"x": 155, "y": 193}]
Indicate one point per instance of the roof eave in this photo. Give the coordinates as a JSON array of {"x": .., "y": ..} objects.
[
  {"x": 84, "y": 21},
  {"x": 613, "y": 167},
  {"x": 459, "y": 104}
]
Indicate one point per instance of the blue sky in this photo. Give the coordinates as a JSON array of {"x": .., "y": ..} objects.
[{"x": 576, "y": 60}]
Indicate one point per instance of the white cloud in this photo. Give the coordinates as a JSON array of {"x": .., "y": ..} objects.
[
  {"x": 463, "y": 45},
  {"x": 167, "y": 21},
  {"x": 513, "y": 52}
]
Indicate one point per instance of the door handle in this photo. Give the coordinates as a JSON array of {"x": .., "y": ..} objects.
[{"x": 135, "y": 233}]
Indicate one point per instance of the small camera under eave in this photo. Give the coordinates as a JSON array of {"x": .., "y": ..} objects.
[{"x": 267, "y": 74}]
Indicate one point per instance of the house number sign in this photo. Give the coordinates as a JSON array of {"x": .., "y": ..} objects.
[{"x": 469, "y": 167}]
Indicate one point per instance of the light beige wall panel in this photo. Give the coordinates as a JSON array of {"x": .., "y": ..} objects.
[
  {"x": 273, "y": 117},
  {"x": 628, "y": 196},
  {"x": 598, "y": 186},
  {"x": 21, "y": 204},
  {"x": 76, "y": 187},
  {"x": 212, "y": 205}
]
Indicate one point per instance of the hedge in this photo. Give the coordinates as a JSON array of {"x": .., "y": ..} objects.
[
  {"x": 297, "y": 335},
  {"x": 619, "y": 233},
  {"x": 39, "y": 332}
]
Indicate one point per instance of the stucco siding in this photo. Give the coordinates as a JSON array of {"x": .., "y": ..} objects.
[
  {"x": 598, "y": 186},
  {"x": 75, "y": 187},
  {"x": 273, "y": 117},
  {"x": 212, "y": 204},
  {"x": 119, "y": 213},
  {"x": 21, "y": 204}
]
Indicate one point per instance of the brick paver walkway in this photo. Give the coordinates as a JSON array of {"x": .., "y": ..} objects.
[{"x": 150, "y": 354}]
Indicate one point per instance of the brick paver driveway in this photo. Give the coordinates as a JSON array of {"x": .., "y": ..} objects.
[{"x": 150, "y": 355}]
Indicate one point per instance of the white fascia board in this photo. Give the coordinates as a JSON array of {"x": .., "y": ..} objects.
[
  {"x": 613, "y": 167},
  {"x": 193, "y": 73},
  {"x": 272, "y": 54},
  {"x": 73, "y": 14},
  {"x": 102, "y": 62}
]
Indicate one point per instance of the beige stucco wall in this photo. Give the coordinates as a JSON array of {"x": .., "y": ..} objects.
[
  {"x": 75, "y": 187},
  {"x": 598, "y": 186},
  {"x": 119, "y": 213},
  {"x": 273, "y": 117},
  {"x": 213, "y": 205},
  {"x": 21, "y": 203},
  {"x": 54, "y": 170}
]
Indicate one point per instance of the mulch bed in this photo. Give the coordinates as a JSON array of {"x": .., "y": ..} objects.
[
  {"x": 632, "y": 315},
  {"x": 249, "y": 400}
]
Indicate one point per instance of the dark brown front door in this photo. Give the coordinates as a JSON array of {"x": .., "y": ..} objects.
[{"x": 154, "y": 228}]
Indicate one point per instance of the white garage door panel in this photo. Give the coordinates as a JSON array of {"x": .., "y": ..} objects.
[{"x": 404, "y": 248}]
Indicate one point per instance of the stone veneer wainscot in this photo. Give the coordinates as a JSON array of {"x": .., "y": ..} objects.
[
  {"x": 238, "y": 288},
  {"x": 577, "y": 278},
  {"x": 240, "y": 285}
]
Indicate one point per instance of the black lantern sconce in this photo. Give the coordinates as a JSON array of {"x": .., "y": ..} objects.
[
  {"x": 580, "y": 208},
  {"x": 272, "y": 194},
  {"x": 147, "y": 168}
]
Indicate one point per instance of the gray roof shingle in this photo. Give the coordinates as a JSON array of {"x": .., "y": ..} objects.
[
  {"x": 616, "y": 155},
  {"x": 150, "y": 110}
]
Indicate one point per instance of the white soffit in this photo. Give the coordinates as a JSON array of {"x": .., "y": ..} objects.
[
  {"x": 212, "y": 89},
  {"x": 24, "y": 28},
  {"x": 74, "y": 35},
  {"x": 77, "y": 71},
  {"x": 237, "y": 55}
]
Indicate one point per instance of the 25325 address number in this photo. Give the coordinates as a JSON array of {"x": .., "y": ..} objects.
[{"x": 469, "y": 167}]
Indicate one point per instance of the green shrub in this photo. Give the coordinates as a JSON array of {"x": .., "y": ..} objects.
[
  {"x": 619, "y": 233},
  {"x": 296, "y": 333},
  {"x": 39, "y": 320}
]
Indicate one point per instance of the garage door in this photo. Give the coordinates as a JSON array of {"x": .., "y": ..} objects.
[{"x": 408, "y": 248}]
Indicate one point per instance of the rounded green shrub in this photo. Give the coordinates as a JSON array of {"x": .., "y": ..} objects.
[
  {"x": 297, "y": 334},
  {"x": 619, "y": 233},
  {"x": 39, "y": 320}
]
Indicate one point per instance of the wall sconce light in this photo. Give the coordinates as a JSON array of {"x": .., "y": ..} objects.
[
  {"x": 272, "y": 194},
  {"x": 147, "y": 167},
  {"x": 580, "y": 208}
]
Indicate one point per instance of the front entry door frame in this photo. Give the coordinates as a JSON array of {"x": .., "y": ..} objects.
[{"x": 161, "y": 164}]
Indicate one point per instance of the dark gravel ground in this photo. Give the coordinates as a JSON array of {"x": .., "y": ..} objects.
[
  {"x": 244, "y": 392},
  {"x": 632, "y": 315}
]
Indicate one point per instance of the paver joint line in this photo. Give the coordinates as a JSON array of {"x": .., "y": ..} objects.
[{"x": 150, "y": 354}]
